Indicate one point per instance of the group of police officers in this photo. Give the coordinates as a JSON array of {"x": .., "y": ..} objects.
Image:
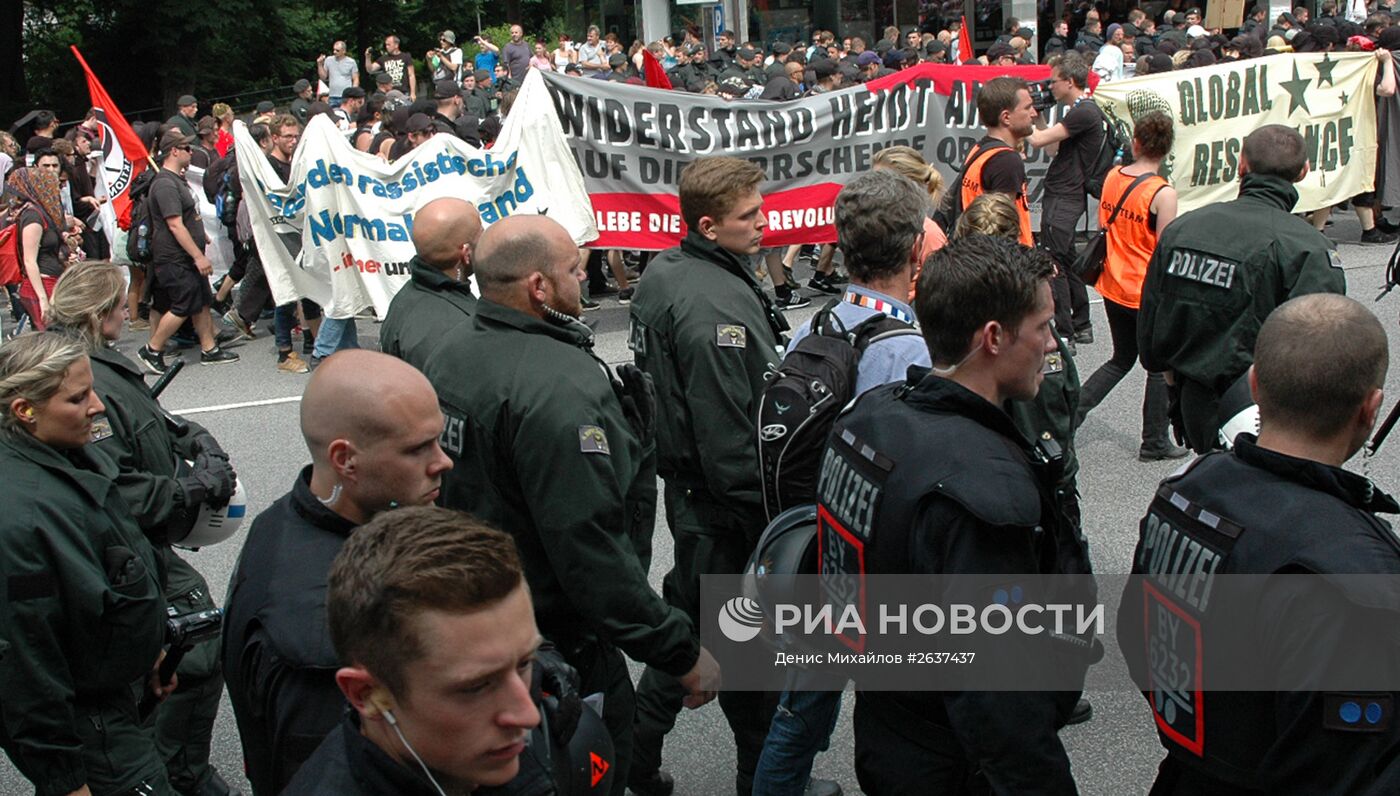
[{"x": 498, "y": 406}]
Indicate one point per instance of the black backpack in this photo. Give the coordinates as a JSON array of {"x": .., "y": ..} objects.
[
  {"x": 138, "y": 236},
  {"x": 799, "y": 405},
  {"x": 1109, "y": 153}
]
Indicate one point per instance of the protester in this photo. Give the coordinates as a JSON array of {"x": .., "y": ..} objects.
[
  {"x": 1148, "y": 205},
  {"x": 907, "y": 161},
  {"x": 41, "y": 251},
  {"x": 395, "y": 63}
]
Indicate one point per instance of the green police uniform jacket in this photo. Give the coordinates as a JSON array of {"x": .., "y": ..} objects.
[
  {"x": 541, "y": 449},
  {"x": 1219, "y": 271},
  {"x": 708, "y": 336},
  {"x": 1050, "y": 415},
  {"x": 83, "y": 618},
  {"x": 422, "y": 313},
  {"x": 477, "y": 102}
]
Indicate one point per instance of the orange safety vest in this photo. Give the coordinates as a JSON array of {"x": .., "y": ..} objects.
[
  {"x": 972, "y": 188},
  {"x": 1130, "y": 241}
]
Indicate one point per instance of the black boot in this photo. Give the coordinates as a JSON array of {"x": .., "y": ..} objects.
[
  {"x": 1157, "y": 443},
  {"x": 1097, "y": 388}
]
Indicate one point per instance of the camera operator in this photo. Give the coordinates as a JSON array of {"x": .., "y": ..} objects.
[
  {"x": 443, "y": 667},
  {"x": 1080, "y": 135}
]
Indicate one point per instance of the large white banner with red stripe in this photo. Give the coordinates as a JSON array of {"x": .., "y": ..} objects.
[{"x": 631, "y": 143}]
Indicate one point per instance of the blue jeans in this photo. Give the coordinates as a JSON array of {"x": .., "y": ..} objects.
[
  {"x": 802, "y": 726},
  {"x": 337, "y": 334}
]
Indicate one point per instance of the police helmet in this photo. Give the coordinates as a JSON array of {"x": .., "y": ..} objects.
[
  {"x": 586, "y": 766},
  {"x": 787, "y": 547},
  {"x": 212, "y": 525},
  {"x": 1237, "y": 412}
]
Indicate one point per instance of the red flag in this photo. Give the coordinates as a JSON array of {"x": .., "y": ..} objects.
[
  {"x": 655, "y": 73},
  {"x": 123, "y": 154},
  {"x": 965, "y": 51}
]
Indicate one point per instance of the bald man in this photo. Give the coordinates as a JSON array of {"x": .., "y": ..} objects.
[
  {"x": 371, "y": 423},
  {"x": 437, "y": 296},
  {"x": 545, "y": 450}
]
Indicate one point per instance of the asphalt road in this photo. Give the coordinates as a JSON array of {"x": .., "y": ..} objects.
[{"x": 252, "y": 409}]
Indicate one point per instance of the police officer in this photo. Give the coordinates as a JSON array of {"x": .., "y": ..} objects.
[
  {"x": 707, "y": 334},
  {"x": 530, "y": 409},
  {"x": 985, "y": 307},
  {"x": 1278, "y": 503},
  {"x": 994, "y": 164},
  {"x": 745, "y": 67},
  {"x": 697, "y": 70},
  {"x": 1219, "y": 271},
  {"x": 372, "y": 424},
  {"x": 83, "y": 619},
  {"x": 146, "y": 442},
  {"x": 1079, "y": 135},
  {"x": 456, "y": 603},
  {"x": 438, "y": 296}
]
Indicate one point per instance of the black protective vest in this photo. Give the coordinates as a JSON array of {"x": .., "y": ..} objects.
[{"x": 1247, "y": 512}]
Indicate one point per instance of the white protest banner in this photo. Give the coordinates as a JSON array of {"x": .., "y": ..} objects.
[
  {"x": 219, "y": 249},
  {"x": 339, "y": 231},
  {"x": 1328, "y": 97}
]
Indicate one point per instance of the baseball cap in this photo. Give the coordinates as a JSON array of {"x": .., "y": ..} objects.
[
  {"x": 733, "y": 86},
  {"x": 186, "y": 99},
  {"x": 823, "y": 68},
  {"x": 446, "y": 89},
  {"x": 419, "y": 122},
  {"x": 206, "y": 124},
  {"x": 352, "y": 92},
  {"x": 173, "y": 138},
  {"x": 301, "y": 85},
  {"x": 1000, "y": 50},
  {"x": 867, "y": 58},
  {"x": 781, "y": 48}
]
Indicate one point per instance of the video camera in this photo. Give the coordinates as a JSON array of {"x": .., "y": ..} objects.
[
  {"x": 183, "y": 632},
  {"x": 1041, "y": 98}
]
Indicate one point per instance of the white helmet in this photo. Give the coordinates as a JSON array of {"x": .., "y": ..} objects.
[
  {"x": 1237, "y": 412},
  {"x": 214, "y": 525}
]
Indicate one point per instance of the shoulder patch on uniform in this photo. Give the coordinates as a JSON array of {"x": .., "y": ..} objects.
[
  {"x": 731, "y": 335},
  {"x": 1334, "y": 257},
  {"x": 591, "y": 439},
  {"x": 636, "y": 336},
  {"x": 1358, "y": 712},
  {"x": 101, "y": 428}
]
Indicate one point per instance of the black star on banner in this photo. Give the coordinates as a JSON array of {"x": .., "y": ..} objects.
[
  {"x": 1345, "y": 99},
  {"x": 1324, "y": 70},
  {"x": 1297, "y": 89}
]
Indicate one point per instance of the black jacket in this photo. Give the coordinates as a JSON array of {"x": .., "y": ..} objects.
[
  {"x": 278, "y": 660},
  {"x": 349, "y": 764}
]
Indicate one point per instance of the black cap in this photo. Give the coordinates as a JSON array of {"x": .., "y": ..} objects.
[
  {"x": 446, "y": 89},
  {"x": 482, "y": 75},
  {"x": 419, "y": 122},
  {"x": 265, "y": 106},
  {"x": 781, "y": 48},
  {"x": 352, "y": 92},
  {"x": 383, "y": 78},
  {"x": 1000, "y": 50},
  {"x": 186, "y": 99},
  {"x": 1130, "y": 30},
  {"x": 1025, "y": 33},
  {"x": 823, "y": 68},
  {"x": 301, "y": 85},
  {"x": 573, "y": 69},
  {"x": 747, "y": 53},
  {"x": 733, "y": 86},
  {"x": 617, "y": 59},
  {"x": 173, "y": 138}
]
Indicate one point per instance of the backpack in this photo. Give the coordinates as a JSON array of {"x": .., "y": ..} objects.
[
  {"x": 802, "y": 399},
  {"x": 138, "y": 239},
  {"x": 1110, "y": 152}
]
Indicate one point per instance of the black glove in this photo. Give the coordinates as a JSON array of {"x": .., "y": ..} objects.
[
  {"x": 212, "y": 482},
  {"x": 206, "y": 444},
  {"x": 638, "y": 398},
  {"x": 559, "y": 682}
]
